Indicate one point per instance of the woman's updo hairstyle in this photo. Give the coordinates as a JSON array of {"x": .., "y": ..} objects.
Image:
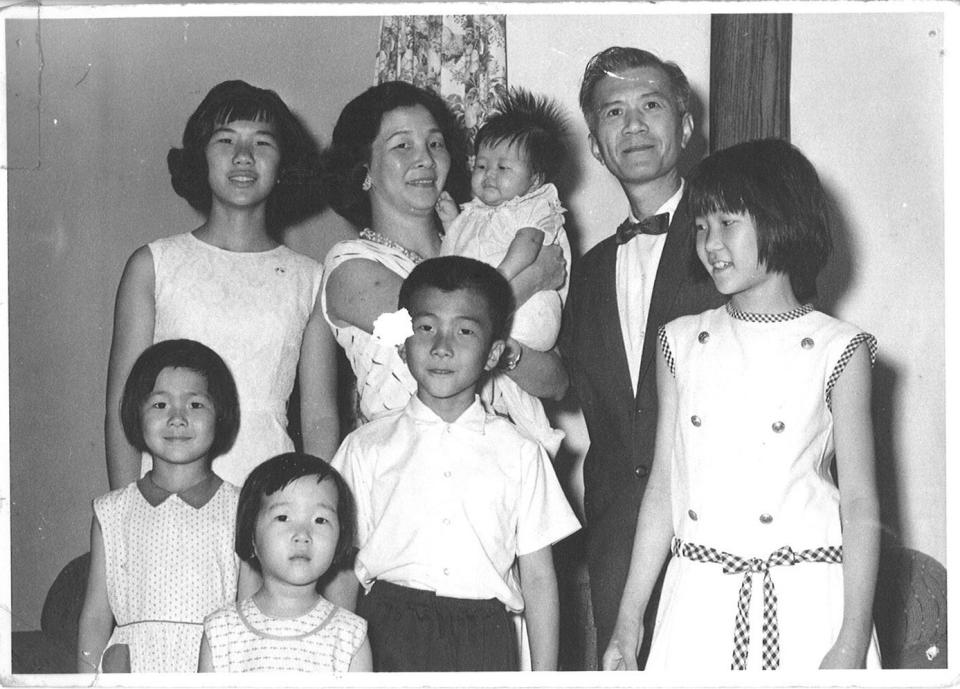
[
  {"x": 345, "y": 162},
  {"x": 297, "y": 193}
]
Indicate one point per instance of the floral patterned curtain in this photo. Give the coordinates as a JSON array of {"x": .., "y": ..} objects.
[{"x": 461, "y": 57}]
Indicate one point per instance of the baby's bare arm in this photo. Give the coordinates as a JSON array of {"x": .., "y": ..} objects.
[{"x": 522, "y": 252}]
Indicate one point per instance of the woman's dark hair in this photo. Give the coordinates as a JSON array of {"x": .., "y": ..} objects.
[
  {"x": 193, "y": 356},
  {"x": 452, "y": 273},
  {"x": 297, "y": 193},
  {"x": 276, "y": 474},
  {"x": 345, "y": 163},
  {"x": 772, "y": 181},
  {"x": 536, "y": 124}
]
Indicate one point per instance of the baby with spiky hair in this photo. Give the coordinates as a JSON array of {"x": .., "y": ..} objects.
[{"x": 515, "y": 210}]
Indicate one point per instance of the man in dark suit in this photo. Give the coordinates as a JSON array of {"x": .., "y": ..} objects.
[{"x": 621, "y": 291}]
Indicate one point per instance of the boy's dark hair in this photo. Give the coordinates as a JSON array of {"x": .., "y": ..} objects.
[
  {"x": 773, "y": 182},
  {"x": 296, "y": 194},
  {"x": 346, "y": 161},
  {"x": 535, "y": 123},
  {"x": 615, "y": 60},
  {"x": 193, "y": 356},
  {"x": 276, "y": 474},
  {"x": 451, "y": 273}
]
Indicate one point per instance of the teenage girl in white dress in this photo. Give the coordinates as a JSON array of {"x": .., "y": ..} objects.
[
  {"x": 774, "y": 565},
  {"x": 245, "y": 164}
]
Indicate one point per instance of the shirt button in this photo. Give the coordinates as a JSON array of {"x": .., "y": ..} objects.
[
  {"x": 446, "y": 522},
  {"x": 703, "y": 337},
  {"x": 765, "y": 518},
  {"x": 778, "y": 426},
  {"x": 446, "y": 572},
  {"x": 641, "y": 471},
  {"x": 446, "y": 474},
  {"x": 693, "y": 515},
  {"x": 695, "y": 420},
  {"x": 806, "y": 343}
]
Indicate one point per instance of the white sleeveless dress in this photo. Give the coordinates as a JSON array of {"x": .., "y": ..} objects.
[
  {"x": 242, "y": 638},
  {"x": 250, "y": 308},
  {"x": 750, "y": 475},
  {"x": 384, "y": 383},
  {"x": 167, "y": 567}
]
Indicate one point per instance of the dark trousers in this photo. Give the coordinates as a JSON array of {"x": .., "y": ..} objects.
[{"x": 418, "y": 631}]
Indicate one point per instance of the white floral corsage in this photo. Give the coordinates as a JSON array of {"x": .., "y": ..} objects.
[{"x": 393, "y": 329}]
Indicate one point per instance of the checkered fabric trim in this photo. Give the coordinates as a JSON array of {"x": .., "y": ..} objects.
[
  {"x": 733, "y": 564},
  {"x": 769, "y": 317},
  {"x": 844, "y": 359},
  {"x": 665, "y": 348}
]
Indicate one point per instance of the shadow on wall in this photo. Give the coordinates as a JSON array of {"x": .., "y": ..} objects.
[{"x": 833, "y": 284}]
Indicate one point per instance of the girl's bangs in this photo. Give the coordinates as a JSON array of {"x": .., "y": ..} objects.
[
  {"x": 714, "y": 194},
  {"x": 247, "y": 109}
]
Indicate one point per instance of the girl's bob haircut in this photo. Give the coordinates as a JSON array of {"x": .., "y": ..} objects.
[
  {"x": 345, "y": 163},
  {"x": 774, "y": 183},
  {"x": 193, "y": 356},
  {"x": 297, "y": 192},
  {"x": 277, "y": 473}
]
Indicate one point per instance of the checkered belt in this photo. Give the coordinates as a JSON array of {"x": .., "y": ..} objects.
[{"x": 733, "y": 564}]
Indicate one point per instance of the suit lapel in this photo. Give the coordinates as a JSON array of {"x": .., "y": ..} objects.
[
  {"x": 671, "y": 272},
  {"x": 609, "y": 314}
]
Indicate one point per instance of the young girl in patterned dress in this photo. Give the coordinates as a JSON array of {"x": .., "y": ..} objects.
[
  {"x": 295, "y": 523},
  {"x": 160, "y": 558},
  {"x": 773, "y": 565},
  {"x": 246, "y": 164}
]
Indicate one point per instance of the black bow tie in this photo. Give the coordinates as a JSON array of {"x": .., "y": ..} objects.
[{"x": 655, "y": 224}]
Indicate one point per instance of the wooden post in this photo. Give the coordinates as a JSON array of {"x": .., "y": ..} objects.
[{"x": 749, "y": 78}]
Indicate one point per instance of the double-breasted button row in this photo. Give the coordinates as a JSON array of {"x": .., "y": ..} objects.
[
  {"x": 704, "y": 337},
  {"x": 776, "y": 426},
  {"x": 764, "y": 518}
]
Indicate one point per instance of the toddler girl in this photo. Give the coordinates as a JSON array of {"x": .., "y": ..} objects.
[
  {"x": 514, "y": 211},
  {"x": 758, "y": 399},
  {"x": 244, "y": 165},
  {"x": 159, "y": 548},
  {"x": 295, "y": 522}
]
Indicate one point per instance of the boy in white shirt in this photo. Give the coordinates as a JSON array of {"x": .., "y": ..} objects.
[{"x": 449, "y": 497}]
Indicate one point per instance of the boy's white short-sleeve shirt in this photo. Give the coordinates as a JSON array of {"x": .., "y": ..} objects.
[{"x": 447, "y": 507}]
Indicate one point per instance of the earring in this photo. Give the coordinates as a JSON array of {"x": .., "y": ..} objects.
[{"x": 367, "y": 183}]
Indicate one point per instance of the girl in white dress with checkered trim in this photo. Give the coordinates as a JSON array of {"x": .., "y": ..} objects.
[
  {"x": 295, "y": 522},
  {"x": 160, "y": 555},
  {"x": 774, "y": 566}
]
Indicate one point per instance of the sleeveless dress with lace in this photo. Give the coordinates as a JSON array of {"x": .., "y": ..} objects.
[
  {"x": 244, "y": 639},
  {"x": 167, "y": 567},
  {"x": 250, "y": 308},
  {"x": 754, "y": 505},
  {"x": 384, "y": 383}
]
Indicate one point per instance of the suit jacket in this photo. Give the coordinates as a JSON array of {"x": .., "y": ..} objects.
[{"x": 621, "y": 415}]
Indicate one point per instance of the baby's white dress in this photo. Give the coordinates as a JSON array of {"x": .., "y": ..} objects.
[
  {"x": 167, "y": 567},
  {"x": 251, "y": 308},
  {"x": 485, "y": 232},
  {"x": 750, "y": 474},
  {"x": 244, "y": 639}
]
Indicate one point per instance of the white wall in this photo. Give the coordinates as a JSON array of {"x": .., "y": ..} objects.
[{"x": 869, "y": 114}]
